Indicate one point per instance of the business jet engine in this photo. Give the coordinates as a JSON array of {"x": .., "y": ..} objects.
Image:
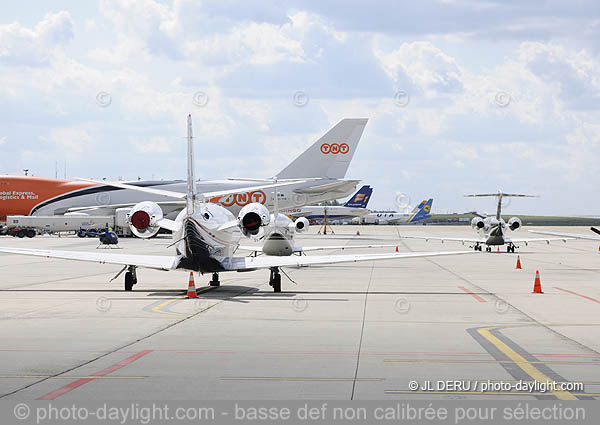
[
  {"x": 143, "y": 219},
  {"x": 252, "y": 218},
  {"x": 514, "y": 223},
  {"x": 477, "y": 223},
  {"x": 301, "y": 224}
]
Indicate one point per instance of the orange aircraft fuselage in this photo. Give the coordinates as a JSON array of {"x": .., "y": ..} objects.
[{"x": 20, "y": 194}]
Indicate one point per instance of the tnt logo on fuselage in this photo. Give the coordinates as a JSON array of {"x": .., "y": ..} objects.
[{"x": 335, "y": 148}]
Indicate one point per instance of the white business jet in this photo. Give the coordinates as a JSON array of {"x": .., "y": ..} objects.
[
  {"x": 492, "y": 231},
  {"x": 206, "y": 236}
]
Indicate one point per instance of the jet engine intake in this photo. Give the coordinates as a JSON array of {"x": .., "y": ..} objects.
[
  {"x": 477, "y": 223},
  {"x": 301, "y": 224},
  {"x": 514, "y": 223},
  {"x": 252, "y": 218}
]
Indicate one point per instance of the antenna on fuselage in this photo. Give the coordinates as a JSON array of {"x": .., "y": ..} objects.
[
  {"x": 192, "y": 193},
  {"x": 501, "y": 195}
]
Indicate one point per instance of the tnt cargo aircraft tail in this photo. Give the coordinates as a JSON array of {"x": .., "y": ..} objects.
[
  {"x": 330, "y": 156},
  {"x": 360, "y": 198},
  {"x": 421, "y": 211}
]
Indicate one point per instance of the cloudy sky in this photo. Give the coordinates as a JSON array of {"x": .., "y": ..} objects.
[{"x": 462, "y": 96}]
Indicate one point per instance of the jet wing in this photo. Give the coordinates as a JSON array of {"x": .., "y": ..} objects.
[
  {"x": 125, "y": 205},
  {"x": 327, "y": 187},
  {"x": 180, "y": 195},
  {"x": 527, "y": 240},
  {"x": 252, "y": 263},
  {"x": 483, "y": 240},
  {"x": 566, "y": 235},
  {"x": 299, "y": 249},
  {"x": 342, "y": 247},
  {"x": 159, "y": 262},
  {"x": 437, "y": 238}
]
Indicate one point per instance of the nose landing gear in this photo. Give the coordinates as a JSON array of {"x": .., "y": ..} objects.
[
  {"x": 275, "y": 279},
  {"x": 215, "y": 280},
  {"x": 130, "y": 278}
]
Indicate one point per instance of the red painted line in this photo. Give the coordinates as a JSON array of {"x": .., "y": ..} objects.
[
  {"x": 78, "y": 383},
  {"x": 579, "y": 295},
  {"x": 474, "y": 295}
]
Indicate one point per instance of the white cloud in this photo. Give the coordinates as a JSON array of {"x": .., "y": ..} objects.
[
  {"x": 35, "y": 47},
  {"x": 154, "y": 145},
  {"x": 69, "y": 139},
  {"x": 250, "y": 58},
  {"x": 428, "y": 67}
]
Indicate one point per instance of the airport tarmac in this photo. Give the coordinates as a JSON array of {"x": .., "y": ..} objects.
[{"x": 356, "y": 331}]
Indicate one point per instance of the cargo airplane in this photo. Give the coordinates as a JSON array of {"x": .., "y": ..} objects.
[
  {"x": 356, "y": 206},
  {"x": 206, "y": 236},
  {"x": 492, "y": 231},
  {"x": 419, "y": 213},
  {"x": 319, "y": 171}
]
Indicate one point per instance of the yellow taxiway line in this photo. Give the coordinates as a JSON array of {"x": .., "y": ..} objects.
[
  {"x": 159, "y": 308},
  {"x": 487, "y": 361},
  {"x": 522, "y": 363}
]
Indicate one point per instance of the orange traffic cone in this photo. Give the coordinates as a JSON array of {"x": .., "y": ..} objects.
[
  {"x": 358, "y": 233},
  {"x": 191, "y": 292},
  {"x": 518, "y": 262},
  {"x": 396, "y": 248},
  {"x": 537, "y": 285},
  {"x": 498, "y": 251}
]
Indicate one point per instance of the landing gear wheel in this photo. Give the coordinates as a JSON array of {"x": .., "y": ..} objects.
[
  {"x": 488, "y": 249},
  {"x": 129, "y": 281},
  {"x": 277, "y": 283},
  {"x": 215, "y": 280},
  {"x": 130, "y": 278},
  {"x": 21, "y": 234},
  {"x": 30, "y": 233},
  {"x": 275, "y": 280}
]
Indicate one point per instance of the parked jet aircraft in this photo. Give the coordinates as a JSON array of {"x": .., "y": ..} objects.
[
  {"x": 321, "y": 168},
  {"x": 278, "y": 236},
  {"x": 419, "y": 213},
  {"x": 491, "y": 231},
  {"x": 206, "y": 236},
  {"x": 356, "y": 206}
]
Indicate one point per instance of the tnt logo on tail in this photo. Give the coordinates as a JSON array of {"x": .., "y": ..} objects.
[
  {"x": 422, "y": 211},
  {"x": 360, "y": 198}
]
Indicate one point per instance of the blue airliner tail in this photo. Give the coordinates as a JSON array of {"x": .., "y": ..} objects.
[
  {"x": 360, "y": 198},
  {"x": 422, "y": 211}
]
